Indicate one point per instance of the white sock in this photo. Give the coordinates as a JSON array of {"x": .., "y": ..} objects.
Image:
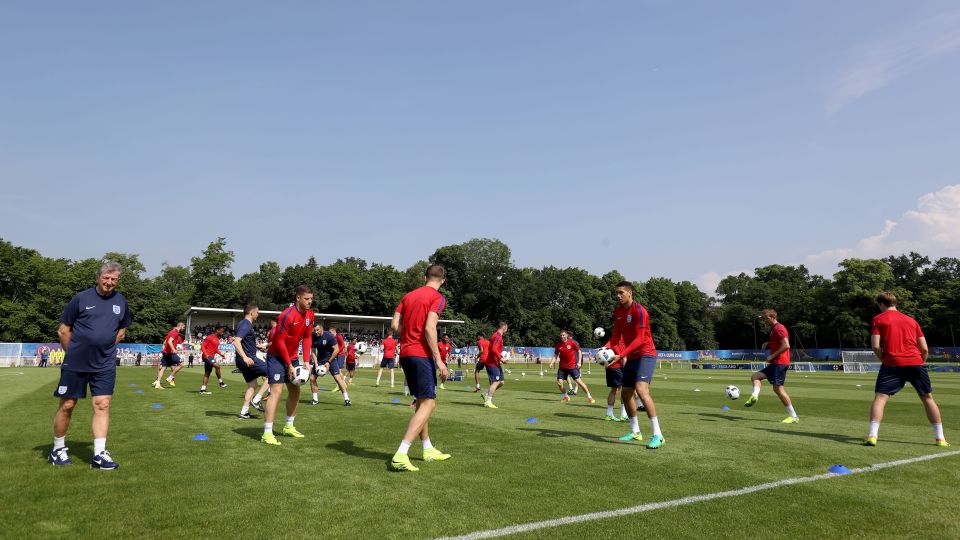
[
  {"x": 404, "y": 448},
  {"x": 99, "y": 445},
  {"x": 874, "y": 429},
  {"x": 316, "y": 396},
  {"x": 59, "y": 442},
  {"x": 564, "y": 394},
  {"x": 487, "y": 398},
  {"x": 478, "y": 387},
  {"x": 634, "y": 424},
  {"x": 257, "y": 398},
  {"x": 938, "y": 431},
  {"x": 790, "y": 411},
  {"x": 203, "y": 388},
  {"x": 427, "y": 444},
  {"x": 589, "y": 396},
  {"x": 609, "y": 410},
  {"x": 655, "y": 425},
  {"x": 290, "y": 420},
  {"x": 268, "y": 427},
  {"x": 756, "y": 391},
  {"x": 245, "y": 409},
  {"x": 346, "y": 396},
  {"x": 623, "y": 411},
  {"x": 221, "y": 381}
]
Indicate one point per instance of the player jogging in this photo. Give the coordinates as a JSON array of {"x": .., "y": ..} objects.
[
  {"x": 251, "y": 367},
  {"x": 169, "y": 357},
  {"x": 898, "y": 342},
  {"x": 483, "y": 347},
  {"x": 776, "y": 370},
  {"x": 416, "y": 320},
  {"x": 493, "y": 365},
  {"x": 351, "y": 361},
  {"x": 209, "y": 351},
  {"x": 445, "y": 347},
  {"x": 336, "y": 363},
  {"x": 389, "y": 356},
  {"x": 567, "y": 351},
  {"x": 293, "y": 331},
  {"x": 91, "y": 325},
  {"x": 632, "y": 342}
]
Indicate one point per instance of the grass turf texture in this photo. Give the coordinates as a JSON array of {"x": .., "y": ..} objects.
[{"x": 504, "y": 470}]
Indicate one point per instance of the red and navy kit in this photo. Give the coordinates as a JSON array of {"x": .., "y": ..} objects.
[
  {"x": 341, "y": 347},
  {"x": 496, "y": 350},
  {"x": 293, "y": 328},
  {"x": 567, "y": 352},
  {"x": 389, "y": 348},
  {"x": 899, "y": 335},
  {"x": 445, "y": 349},
  {"x": 210, "y": 346},
  {"x": 177, "y": 340},
  {"x": 779, "y": 335},
  {"x": 631, "y": 337},
  {"x": 351, "y": 354},
  {"x": 483, "y": 347},
  {"x": 413, "y": 309}
]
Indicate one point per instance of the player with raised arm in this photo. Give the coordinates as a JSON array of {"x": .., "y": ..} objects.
[
  {"x": 493, "y": 365},
  {"x": 415, "y": 320},
  {"x": 445, "y": 347},
  {"x": 293, "y": 332},
  {"x": 898, "y": 342},
  {"x": 483, "y": 347},
  {"x": 169, "y": 357},
  {"x": 251, "y": 367},
  {"x": 389, "y": 356},
  {"x": 632, "y": 343},
  {"x": 91, "y": 325},
  {"x": 568, "y": 352},
  {"x": 776, "y": 370},
  {"x": 209, "y": 351}
]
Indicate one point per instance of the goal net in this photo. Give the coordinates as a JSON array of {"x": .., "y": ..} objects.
[
  {"x": 803, "y": 366},
  {"x": 859, "y": 361}
]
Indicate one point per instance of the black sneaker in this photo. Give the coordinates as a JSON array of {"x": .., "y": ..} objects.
[
  {"x": 103, "y": 461},
  {"x": 258, "y": 405},
  {"x": 314, "y": 402},
  {"x": 223, "y": 385},
  {"x": 346, "y": 403},
  {"x": 245, "y": 416}
]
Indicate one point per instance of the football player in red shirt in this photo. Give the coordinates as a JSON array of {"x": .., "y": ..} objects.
[
  {"x": 493, "y": 365},
  {"x": 209, "y": 351},
  {"x": 445, "y": 347},
  {"x": 415, "y": 320},
  {"x": 483, "y": 347},
  {"x": 293, "y": 332},
  {"x": 776, "y": 370},
  {"x": 169, "y": 357},
  {"x": 569, "y": 355},
  {"x": 389, "y": 347},
  {"x": 898, "y": 342},
  {"x": 632, "y": 343}
]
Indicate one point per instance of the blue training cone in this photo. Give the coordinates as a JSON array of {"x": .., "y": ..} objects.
[
  {"x": 725, "y": 408},
  {"x": 395, "y": 400},
  {"x": 532, "y": 420},
  {"x": 133, "y": 384},
  {"x": 839, "y": 469},
  {"x": 157, "y": 406},
  {"x": 138, "y": 391},
  {"x": 200, "y": 437}
]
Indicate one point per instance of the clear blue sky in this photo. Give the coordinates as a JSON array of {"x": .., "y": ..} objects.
[{"x": 682, "y": 139}]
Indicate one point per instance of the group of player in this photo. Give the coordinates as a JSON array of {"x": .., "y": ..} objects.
[{"x": 95, "y": 321}]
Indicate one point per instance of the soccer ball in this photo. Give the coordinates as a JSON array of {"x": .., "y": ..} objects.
[
  {"x": 505, "y": 355},
  {"x": 320, "y": 370},
  {"x": 604, "y": 356},
  {"x": 733, "y": 392},
  {"x": 300, "y": 375},
  {"x": 599, "y": 332},
  {"x": 361, "y": 347}
]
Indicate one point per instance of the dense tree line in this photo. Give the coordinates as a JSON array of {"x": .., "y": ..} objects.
[{"x": 484, "y": 286}]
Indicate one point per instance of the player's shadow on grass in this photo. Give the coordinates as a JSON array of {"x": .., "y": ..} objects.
[
  {"x": 726, "y": 417},
  {"x": 580, "y": 416},
  {"x": 221, "y": 414},
  {"x": 828, "y": 436},
  {"x": 539, "y": 399},
  {"x": 351, "y": 449},
  {"x": 78, "y": 451},
  {"x": 253, "y": 432},
  {"x": 556, "y": 433},
  {"x": 474, "y": 403}
]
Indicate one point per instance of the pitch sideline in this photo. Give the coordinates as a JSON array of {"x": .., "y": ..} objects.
[{"x": 683, "y": 501}]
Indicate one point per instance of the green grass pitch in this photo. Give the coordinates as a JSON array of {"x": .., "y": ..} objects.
[{"x": 505, "y": 470}]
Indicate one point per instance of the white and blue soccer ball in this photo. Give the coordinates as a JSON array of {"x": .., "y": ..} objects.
[
  {"x": 361, "y": 347},
  {"x": 320, "y": 370},
  {"x": 599, "y": 332},
  {"x": 605, "y": 356},
  {"x": 505, "y": 355},
  {"x": 733, "y": 392},
  {"x": 300, "y": 375}
]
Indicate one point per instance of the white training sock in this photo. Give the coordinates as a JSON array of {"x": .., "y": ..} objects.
[
  {"x": 268, "y": 427},
  {"x": 59, "y": 442},
  {"x": 244, "y": 410},
  {"x": 938, "y": 431},
  {"x": 655, "y": 425},
  {"x": 478, "y": 387},
  {"x": 634, "y": 424},
  {"x": 874, "y": 429},
  {"x": 316, "y": 396},
  {"x": 790, "y": 411},
  {"x": 609, "y": 410},
  {"x": 756, "y": 391},
  {"x": 257, "y": 399},
  {"x": 426, "y": 444},
  {"x": 221, "y": 381},
  {"x": 99, "y": 445},
  {"x": 203, "y": 388},
  {"x": 404, "y": 448},
  {"x": 290, "y": 420},
  {"x": 564, "y": 394},
  {"x": 346, "y": 396},
  {"x": 589, "y": 396},
  {"x": 623, "y": 411}
]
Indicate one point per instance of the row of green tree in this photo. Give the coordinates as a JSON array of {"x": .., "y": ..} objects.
[{"x": 484, "y": 286}]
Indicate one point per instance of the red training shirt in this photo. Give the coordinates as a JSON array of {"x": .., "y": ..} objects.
[
  {"x": 351, "y": 354},
  {"x": 631, "y": 337},
  {"x": 483, "y": 347},
  {"x": 293, "y": 327},
  {"x": 567, "y": 351},
  {"x": 445, "y": 349},
  {"x": 778, "y": 334},
  {"x": 389, "y": 347},
  {"x": 177, "y": 340},
  {"x": 496, "y": 350},
  {"x": 341, "y": 346},
  {"x": 413, "y": 310},
  {"x": 899, "y": 334},
  {"x": 210, "y": 346}
]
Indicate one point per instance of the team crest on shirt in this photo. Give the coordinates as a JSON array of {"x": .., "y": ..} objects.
[
  {"x": 62, "y": 390},
  {"x": 276, "y": 376},
  {"x": 629, "y": 318},
  {"x": 568, "y": 347},
  {"x": 116, "y": 309}
]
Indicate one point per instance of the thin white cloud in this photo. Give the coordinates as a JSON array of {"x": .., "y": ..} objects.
[
  {"x": 707, "y": 282},
  {"x": 878, "y": 63}
]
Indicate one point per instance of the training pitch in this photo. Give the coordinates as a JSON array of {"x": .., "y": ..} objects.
[{"x": 507, "y": 469}]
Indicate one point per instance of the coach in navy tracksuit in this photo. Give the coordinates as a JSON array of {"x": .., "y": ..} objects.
[{"x": 91, "y": 325}]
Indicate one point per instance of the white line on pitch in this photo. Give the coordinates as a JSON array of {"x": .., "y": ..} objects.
[{"x": 527, "y": 527}]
